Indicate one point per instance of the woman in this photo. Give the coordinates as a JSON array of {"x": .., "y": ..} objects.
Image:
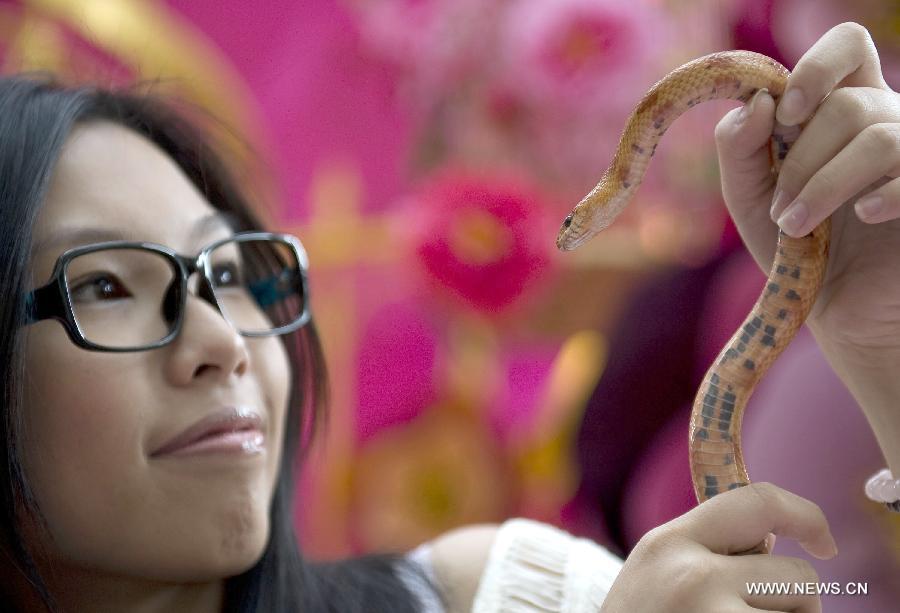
[{"x": 109, "y": 205}]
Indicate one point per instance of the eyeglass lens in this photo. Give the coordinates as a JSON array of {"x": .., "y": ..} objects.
[{"x": 127, "y": 297}]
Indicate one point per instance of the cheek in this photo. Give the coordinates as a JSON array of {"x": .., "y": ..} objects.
[
  {"x": 82, "y": 430},
  {"x": 271, "y": 366}
]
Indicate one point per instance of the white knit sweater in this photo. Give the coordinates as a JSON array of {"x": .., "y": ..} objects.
[{"x": 533, "y": 568}]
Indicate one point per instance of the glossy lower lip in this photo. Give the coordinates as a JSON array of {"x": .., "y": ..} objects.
[{"x": 241, "y": 443}]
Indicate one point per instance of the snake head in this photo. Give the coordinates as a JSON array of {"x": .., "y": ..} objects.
[{"x": 575, "y": 230}]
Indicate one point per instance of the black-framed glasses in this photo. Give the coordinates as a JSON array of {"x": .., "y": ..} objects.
[{"x": 130, "y": 296}]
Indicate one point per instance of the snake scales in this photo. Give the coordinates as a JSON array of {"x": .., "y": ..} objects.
[{"x": 717, "y": 464}]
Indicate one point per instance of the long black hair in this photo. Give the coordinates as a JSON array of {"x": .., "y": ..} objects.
[{"x": 37, "y": 114}]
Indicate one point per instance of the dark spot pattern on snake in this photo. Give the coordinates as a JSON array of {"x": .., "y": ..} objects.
[
  {"x": 712, "y": 394},
  {"x": 712, "y": 485},
  {"x": 769, "y": 338},
  {"x": 709, "y": 402},
  {"x": 780, "y": 145},
  {"x": 727, "y": 411}
]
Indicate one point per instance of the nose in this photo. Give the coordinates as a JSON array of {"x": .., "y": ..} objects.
[{"x": 207, "y": 342}]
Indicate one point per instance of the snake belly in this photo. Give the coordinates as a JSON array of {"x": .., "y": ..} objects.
[{"x": 716, "y": 461}]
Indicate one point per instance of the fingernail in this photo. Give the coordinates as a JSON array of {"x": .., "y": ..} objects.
[
  {"x": 778, "y": 203},
  {"x": 869, "y": 207},
  {"x": 794, "y": 218},
  {"x": 791, "y": 107},
  {"x": 747, "y": 109}
]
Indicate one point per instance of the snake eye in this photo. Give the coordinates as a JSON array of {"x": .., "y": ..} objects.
[{"x": 568, "y": 221}]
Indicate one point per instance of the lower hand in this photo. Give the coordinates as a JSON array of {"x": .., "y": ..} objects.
[{"x": 684, "y": 565}]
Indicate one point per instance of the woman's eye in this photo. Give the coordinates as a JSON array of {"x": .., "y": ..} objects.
[
  {"x": 99, "y": 287},
  {"x": 226, "y": 275}
]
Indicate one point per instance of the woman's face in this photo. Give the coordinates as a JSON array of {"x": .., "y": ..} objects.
[{"x": 93, "y": 419}]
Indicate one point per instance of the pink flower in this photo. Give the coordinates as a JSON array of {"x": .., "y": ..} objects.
[
  {"x": 487, "y": 239},
  {"x": 571, "y": 51},
  {"x": 438, "y": 44}
]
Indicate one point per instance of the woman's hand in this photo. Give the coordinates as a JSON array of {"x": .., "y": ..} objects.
[
  {"x": 850, "y": 145},
  {"x": 685, "y": 565}
]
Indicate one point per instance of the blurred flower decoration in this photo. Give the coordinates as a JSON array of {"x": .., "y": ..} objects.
[
  {"x": 435, "y": 45},
  {"x": 485, "y": 238},
  {"x": 395, "y": 363},
  {"x": 580, "y": 53},
  {"x": 437, "y": 473}
]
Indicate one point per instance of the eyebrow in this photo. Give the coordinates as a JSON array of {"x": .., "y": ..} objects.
[{"x": 87, "y": 235}]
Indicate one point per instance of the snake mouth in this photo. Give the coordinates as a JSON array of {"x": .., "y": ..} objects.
[{"x": 569, "y": 240}]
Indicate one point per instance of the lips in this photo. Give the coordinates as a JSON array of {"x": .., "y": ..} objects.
[{"x": 220, "y": 423}]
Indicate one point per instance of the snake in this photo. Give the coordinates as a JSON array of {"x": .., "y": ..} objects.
[{"x": 794, "y": 280}]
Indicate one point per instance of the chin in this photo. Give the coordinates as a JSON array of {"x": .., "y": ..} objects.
[
  {"x": 243, "y": 544},
  {"x": 229, "y": 547}
]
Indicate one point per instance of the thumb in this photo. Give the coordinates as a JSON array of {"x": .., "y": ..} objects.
[{"x": 742, "y": 141}]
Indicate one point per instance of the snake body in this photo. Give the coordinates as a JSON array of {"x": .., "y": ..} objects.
[{"x": 716, "y": 461}]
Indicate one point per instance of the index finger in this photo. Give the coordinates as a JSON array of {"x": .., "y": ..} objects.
[
  {"x": 845, "y": 56},
  {"x": 740, "y": 519}
]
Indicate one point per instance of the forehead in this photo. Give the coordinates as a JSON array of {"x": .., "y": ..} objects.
[{"x": 112, "y": 178}]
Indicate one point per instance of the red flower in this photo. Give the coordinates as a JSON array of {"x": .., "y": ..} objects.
[{"x": 485, "y": 238}]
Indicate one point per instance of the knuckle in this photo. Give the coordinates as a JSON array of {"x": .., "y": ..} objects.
[
  {"x": 655, "y": 542},
  {"x": 687, "y": 573},
  {"x": 766, "y": 494},
  {"x": 846, "y": 103},
  {"x": 803, "y": 570},
  {"x": 882, "y": 137},
  {"x": 855, "y": 31}
]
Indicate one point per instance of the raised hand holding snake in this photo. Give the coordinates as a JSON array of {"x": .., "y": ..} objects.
[{"x": 849, "y": 145}]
